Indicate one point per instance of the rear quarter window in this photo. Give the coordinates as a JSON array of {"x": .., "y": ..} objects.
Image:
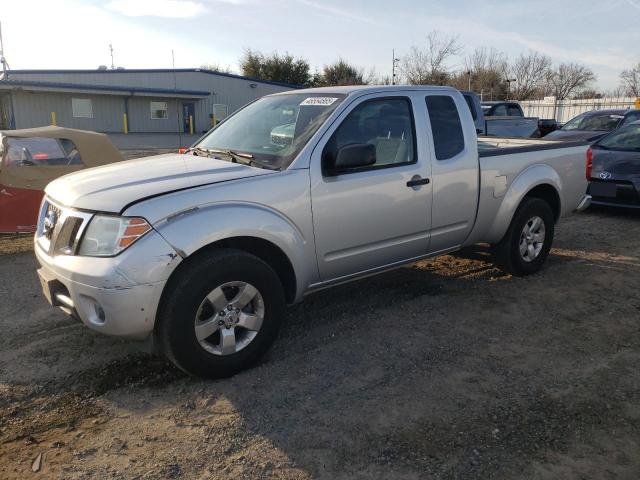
[
  {"x": 446, "y": 128},
  {"x": 39, "y": 151}
]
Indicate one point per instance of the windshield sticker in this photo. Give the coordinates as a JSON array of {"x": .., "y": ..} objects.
[{"x": 322, "y": 101}]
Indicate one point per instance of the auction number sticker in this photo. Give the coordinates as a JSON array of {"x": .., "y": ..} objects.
[{"x": 323, "y": 101}]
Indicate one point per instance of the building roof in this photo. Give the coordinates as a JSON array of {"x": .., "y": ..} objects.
[
  {"x": 156, "y": 70},
  {"x": 104, "y": 89}
]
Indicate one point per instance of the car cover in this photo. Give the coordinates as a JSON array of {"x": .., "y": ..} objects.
[{"x": 94, "y": 148}]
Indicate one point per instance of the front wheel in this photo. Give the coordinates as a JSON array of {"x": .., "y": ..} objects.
[
  {"x": 220, "y": 314},
  {"x": 527, "y": 243}
]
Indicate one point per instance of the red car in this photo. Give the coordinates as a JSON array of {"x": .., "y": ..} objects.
[{"x": 31, "y": 158}]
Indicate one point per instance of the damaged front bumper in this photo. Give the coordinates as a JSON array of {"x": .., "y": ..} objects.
[{"x": 114, "y": 295}]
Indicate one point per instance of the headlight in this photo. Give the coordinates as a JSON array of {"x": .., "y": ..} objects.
[{"x": 108, "y": 235}]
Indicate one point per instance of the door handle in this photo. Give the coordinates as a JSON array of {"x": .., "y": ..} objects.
[{"x": 417, "y": 181}]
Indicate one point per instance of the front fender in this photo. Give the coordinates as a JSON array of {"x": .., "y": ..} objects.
[
  {"x": 194, "y": 229},
  {"x": 527, "y": 180}
]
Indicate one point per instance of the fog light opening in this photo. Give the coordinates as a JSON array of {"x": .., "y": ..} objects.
[{"x": 100, "y": 315}]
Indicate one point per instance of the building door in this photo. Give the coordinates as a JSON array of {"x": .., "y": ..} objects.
[
  {"x": 4, "y": 113},
  {"x": 188, "y": 112}
]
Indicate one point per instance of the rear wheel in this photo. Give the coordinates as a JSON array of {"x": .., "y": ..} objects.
[
  {"x": 527, "y": 243},
  {"x": 221, "y": 313}
]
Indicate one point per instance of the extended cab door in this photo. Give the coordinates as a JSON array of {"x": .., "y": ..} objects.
[
  {"x": 373, "y": 216},
  {"x": 455, "y": 169}
]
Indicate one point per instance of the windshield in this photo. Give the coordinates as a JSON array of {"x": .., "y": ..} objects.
[
  {"x": 627, "y": 138},
  {"x": 272, "y": 130},
  {"x": 594, "y": 122}
]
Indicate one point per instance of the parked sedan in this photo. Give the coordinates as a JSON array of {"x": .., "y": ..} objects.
[
  {"x": 613, "y": 168},
  {"x": 590, "y": 126}
]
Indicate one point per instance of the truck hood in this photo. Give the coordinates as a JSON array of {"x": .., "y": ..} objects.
[{"x": 111, "y": 187}]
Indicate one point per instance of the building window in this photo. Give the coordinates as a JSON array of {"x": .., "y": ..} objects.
[
  {"x": 158, "y": 110},
  {"x": 81, "y": 108}
]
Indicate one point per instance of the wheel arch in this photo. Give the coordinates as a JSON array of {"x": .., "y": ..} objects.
[{"x": 538, "y": 181}]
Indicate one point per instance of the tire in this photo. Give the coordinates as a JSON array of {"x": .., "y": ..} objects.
[
  {"x": 194, "y": 300},
  {"x": 509, "y": 256}
]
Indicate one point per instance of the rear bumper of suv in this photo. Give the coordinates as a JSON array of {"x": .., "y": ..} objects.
[
  {"x": 116, "y": 295},
  {"x": 623, "y": 193}
]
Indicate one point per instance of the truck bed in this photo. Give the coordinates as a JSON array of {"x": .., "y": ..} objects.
[
  {"x": 492, "y": 146},
  {"x": 503, "y": 160}
]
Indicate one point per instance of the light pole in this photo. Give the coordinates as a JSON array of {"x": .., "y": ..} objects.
[
  {"x": 393, "y": 69},
  {"x": 469, "y": 73},
  {"x": 509, "y": 80}
]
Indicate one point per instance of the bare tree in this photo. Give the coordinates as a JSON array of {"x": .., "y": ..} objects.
[
  {"x": 530, "y": 72},
  {"x": 588, "y": 94},
  {"x": 484, "y": 71},
  {"x": 568, "y": 78},
  {"x": 630, "y": 80},
  {"x": 422, "y": 66},
  {"x": 618, "y": 92}
]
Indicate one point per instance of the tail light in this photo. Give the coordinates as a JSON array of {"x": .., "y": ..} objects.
[
  {"x": 182, "y": 150},
  {"x": 589, "y": 163}
]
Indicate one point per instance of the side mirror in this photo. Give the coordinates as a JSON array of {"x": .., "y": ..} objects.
[{"x": 353, "y": 156}]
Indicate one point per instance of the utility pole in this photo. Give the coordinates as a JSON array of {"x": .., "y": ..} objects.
[
  {"x": 113, "y": 67},
  {"x": 3, "y": 61},
  {"x": 509, "y": 80},
  {"x": 393, "y": 69},
  {"x": 469, "y": 73}
]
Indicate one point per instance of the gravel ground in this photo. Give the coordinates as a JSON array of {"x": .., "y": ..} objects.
[{"x": 445, "y": 369}]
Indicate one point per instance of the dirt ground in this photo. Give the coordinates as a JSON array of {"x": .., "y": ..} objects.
[{"x": 443, "y": 370}]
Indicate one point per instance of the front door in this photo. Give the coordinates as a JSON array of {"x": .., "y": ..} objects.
[
  {"x": 378, "y": 215},
  {"x": 188, "y": 116}
]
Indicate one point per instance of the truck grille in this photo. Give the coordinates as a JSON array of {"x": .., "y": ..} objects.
[{"x": 60, "y": 229}]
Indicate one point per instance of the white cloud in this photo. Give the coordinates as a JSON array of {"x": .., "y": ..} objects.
[
  {"x": 156, "y": 8},
  {"x": 86, "y": 45},
  {"x": 337, "y": 12}
]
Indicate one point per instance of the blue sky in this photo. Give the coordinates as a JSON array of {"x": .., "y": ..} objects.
[{"x": 603, "y": 34}]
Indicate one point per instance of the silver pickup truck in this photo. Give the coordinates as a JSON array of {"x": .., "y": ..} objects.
[{"x": 202, "y": 251}]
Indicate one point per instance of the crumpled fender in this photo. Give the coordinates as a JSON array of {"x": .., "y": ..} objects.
[
  {"x": 527, "y": 180},
  {"x": 193, "y": 229}
]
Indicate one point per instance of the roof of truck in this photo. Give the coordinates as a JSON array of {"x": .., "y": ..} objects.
[{"x": 349, "y": 89}]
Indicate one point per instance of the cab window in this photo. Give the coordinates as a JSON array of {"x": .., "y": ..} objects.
[
  {"x": 500, "y": 111},
  {"x": 448, "y": 137},
  {"x": 514, "y": 111},
  {"x": 39, "y": 151},
  {"x": 385, "y": 123}
]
